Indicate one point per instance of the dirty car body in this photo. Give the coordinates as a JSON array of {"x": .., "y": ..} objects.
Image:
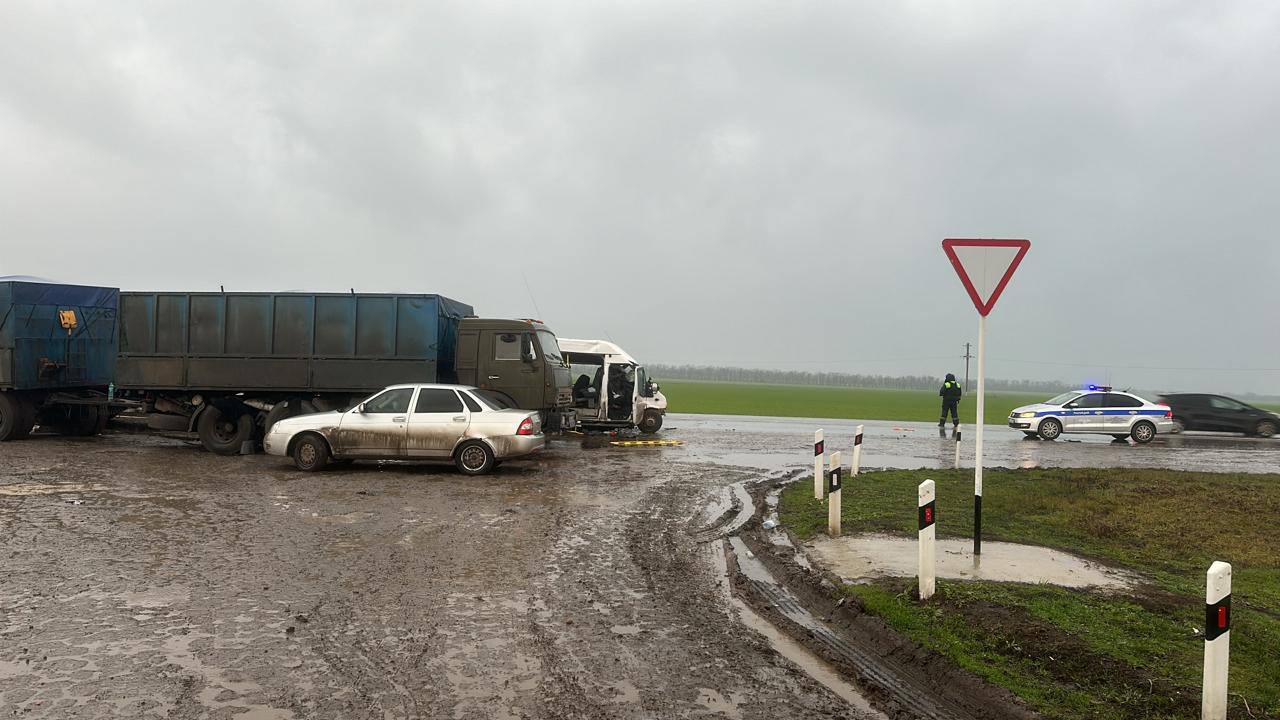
[{"x": 428, "y": 422}]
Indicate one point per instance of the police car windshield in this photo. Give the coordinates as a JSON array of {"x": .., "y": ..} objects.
[{"x": 1063, "y": 399}]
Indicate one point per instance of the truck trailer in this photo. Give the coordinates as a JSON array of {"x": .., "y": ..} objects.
[
  {"x": 58, "y": 347},
  {"x": 229, "y": 365}
]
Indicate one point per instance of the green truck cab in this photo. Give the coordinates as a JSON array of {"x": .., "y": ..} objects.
[{"x": 520, "y": 359}]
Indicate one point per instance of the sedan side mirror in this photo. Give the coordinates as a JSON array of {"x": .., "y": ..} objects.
[
  {"x": 1070, "y": 406},
  {"x": 360, "y": 408}
]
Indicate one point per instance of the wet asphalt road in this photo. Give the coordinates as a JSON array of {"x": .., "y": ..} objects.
[{"x": 143, "y": 577}]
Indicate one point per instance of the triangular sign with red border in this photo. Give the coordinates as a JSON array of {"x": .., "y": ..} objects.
[{"x": 985, "y": 266}]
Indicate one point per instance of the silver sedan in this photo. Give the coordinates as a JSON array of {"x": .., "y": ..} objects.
[{"x": 412, "y": 422}]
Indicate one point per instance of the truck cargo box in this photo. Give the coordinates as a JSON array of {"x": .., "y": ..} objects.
[
  {"x": 285, "y": 342},
  {"x": 56, "y": 337}
]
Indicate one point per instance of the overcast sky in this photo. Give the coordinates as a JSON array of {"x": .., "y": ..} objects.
[{"x": 737, "y": 182}]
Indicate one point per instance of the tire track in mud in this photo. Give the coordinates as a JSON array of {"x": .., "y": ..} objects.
[{"x": 638, "y": 625}]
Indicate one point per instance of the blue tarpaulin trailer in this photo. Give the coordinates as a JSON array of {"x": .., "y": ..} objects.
[{"x": 58, "y": 349}]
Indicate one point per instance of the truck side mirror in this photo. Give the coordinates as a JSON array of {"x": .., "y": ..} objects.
[{"x": 526, "y": 348}]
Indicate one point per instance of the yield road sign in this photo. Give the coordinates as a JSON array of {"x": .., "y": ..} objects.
[{"x": 985, "y": 266}]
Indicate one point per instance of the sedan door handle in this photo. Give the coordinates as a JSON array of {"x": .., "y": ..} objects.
[
  {"x": 459, "y": 418},
  {"x": 399, "y": 418}
]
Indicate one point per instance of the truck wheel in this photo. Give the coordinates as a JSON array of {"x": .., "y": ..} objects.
[
  {"x": 1050, "y": 429},
  {"x": 650, "y": 423},
  {"x": 13, "y": 417},
  {"x": 310, "y": 453},
  {"x": 85, "y": 421},
  {"x": 221, "y": 433},
  {"x": 474, "y": 458},
  {"x": 1143, "y": 432},
  {"x": 27, "y": 420}
]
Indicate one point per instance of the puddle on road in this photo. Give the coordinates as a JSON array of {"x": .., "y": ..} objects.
[{"x": 863, "y": 557}]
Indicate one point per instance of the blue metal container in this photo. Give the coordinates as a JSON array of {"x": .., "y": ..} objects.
[
  {"x": 285, "y": 342},
  {"x": 57, "y": 337}
]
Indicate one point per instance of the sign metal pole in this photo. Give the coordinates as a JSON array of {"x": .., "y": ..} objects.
[{"x": 977, "y": 437}]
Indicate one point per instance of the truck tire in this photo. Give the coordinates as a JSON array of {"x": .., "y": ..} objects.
[
  {"x": 27, "y": 420},
  {"x": 13, "y": 417},
  {"x": 221, "y": 433},
  {"x": 650, "y": 423},
  {"x": 85, "y": 421}
]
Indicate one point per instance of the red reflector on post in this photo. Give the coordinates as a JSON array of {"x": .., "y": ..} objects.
[{"x": 1222, "y": 618}]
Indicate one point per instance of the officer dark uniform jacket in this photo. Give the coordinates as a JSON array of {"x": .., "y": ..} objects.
[{"x": 950, "y": 393}]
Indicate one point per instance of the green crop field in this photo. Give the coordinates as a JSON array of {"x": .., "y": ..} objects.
[
  {"x": 715, "y": 398},
  {"x": 1076, "y": 653}
]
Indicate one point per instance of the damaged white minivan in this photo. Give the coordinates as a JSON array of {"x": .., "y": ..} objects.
[{"x": 610, "y": 389}]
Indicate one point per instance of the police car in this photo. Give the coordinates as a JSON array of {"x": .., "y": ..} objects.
[{"x": 1094, "y": 410}]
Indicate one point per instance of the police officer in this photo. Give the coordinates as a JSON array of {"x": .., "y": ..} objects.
[{"x": 950, "y": 392}]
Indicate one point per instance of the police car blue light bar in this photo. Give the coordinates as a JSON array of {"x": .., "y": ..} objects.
[{"x": 1099, "y": 388}]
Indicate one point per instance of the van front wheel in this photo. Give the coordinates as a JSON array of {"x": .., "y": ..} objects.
[{"x": 651, "y": 423}]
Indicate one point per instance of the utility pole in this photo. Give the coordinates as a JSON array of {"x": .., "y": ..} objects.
[{"x": 966, "y": 368}]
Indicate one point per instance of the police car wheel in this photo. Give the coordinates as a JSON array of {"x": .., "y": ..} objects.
[
  {"x": 1050, "y": 429},
  {"x": 1143, "y": 433}
]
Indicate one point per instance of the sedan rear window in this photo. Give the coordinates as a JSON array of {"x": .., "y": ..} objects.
[{"x": 438, "y": 400}]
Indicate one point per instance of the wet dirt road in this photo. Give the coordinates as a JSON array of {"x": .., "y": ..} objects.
[
  {"x": 776, "y": 443},
  {"x": 145, "y": 578}
]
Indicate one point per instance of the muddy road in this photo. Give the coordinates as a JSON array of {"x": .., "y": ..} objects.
[{"x": 146, "y": 578}]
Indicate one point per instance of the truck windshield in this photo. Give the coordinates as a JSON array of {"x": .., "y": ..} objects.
[{"x": 550, "y": 348}]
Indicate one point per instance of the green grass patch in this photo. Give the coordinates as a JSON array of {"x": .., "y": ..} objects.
[
  {"x": 1076, "y": 654},
  {"x": 715, "y": 398}
]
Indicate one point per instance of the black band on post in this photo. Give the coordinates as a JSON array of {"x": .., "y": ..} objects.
[
  {"x": 1217, "y": 618},
  {"x": 977, "y": 524},
  {"x": 928, "y": 514}
]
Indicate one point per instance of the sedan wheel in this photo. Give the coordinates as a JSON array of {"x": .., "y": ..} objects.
[
  {"x": 1143, "y": 433},
  {"x": 310, "y": 453},
  {"x": 1179, "y": 425},
  {"x": 1266, "y": 428},
  {"x": 474, "y": 458},
  {"x": 1050, "y": 429}
]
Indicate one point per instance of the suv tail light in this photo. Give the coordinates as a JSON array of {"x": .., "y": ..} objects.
[{"x": 526, "y": 427}]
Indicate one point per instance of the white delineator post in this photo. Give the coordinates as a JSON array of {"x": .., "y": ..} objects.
[
  {"x": 927, "y": 516},
  {"x": 1217, "y": 638},
  {"x": 957, "y": 447},
  {"x": 857, "y": 452},
  {"x": 833, "y": 496},
  {"x": 819, "y": 465}
]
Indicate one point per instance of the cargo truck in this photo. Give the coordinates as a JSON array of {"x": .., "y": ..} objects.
[
  {"x": 229, "y": 365},
  {"x": 58, "y": 348}
]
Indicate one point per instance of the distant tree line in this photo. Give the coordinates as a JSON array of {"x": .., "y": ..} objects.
[{"x": 834, "y": 379}]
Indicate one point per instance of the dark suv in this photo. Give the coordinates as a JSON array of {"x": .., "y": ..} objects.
[{"x": 1192, "y": 411}]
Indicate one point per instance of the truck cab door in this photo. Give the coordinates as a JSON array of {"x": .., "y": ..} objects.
[
  {"x": 510, "y": 363},
  {"x": 376, "y": 427}
]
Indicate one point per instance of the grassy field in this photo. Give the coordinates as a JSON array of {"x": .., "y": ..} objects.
[
  {"x": 713, "y": 398},
  {"x": 1076, "y": 654}
]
